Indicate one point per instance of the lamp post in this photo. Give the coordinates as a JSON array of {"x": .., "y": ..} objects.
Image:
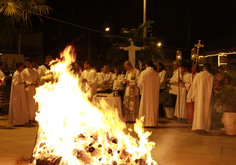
[
  {"x": 144, "y": 19},
  {"x": 179, "y": 57}
]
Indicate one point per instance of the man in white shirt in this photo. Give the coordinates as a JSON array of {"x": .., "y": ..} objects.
[
  {"x": 42, "y": 70},
  {"x": 149, "y": 84},
  {"x": 104, "y": 81},
  {"x": 201, "y": 93},
  {"x": 89, "y": 80},
  {"x": 131, "y": 97},
  {"x": 30, "y": 77},
  {"x": 174, "y": 81}
]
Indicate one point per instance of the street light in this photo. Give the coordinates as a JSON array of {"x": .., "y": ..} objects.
[
  {"x": 107, "y": 29},
  {"x": 159, "y": 44}
]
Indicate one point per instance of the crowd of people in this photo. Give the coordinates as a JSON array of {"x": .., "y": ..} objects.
[{"x": 140, "y": 90}]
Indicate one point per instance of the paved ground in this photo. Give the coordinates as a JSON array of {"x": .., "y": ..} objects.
[{"x": 174, "y": 144}]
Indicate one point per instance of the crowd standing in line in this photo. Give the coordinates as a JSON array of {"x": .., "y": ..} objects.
[{"x": 190, "y": 91}]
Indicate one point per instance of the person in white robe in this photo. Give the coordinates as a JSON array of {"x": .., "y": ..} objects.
[
  {"x": 131, "y": 96},
  {"x": 188, "y": 82},
  {"x": 118, "y": 79},
  {"x": 3, "y": 77},
  {"x": 181, "y": 106},
  {"x": 89, "y": 81},
  {"x": 18, "y": 113},
  {"x": 31, "y": 78},
  {"x": 104, "y": 81},
  {"x": 201, "y": 92},
  {"x": 174, "y": 81},
  {"x": 111, "y": 75},
  {"x": 43, "y": 70},
  {"x": 149, "y": 84},
  {"x": 163, "y": 76}
]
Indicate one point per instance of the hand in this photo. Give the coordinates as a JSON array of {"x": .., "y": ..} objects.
[{"x": 25, "y": 84}]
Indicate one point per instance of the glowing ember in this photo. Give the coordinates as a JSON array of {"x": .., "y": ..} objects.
[{"x": 73, "y": 131}]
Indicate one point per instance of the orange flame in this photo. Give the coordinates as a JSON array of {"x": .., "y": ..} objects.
[{"x": 72, "y": 128}]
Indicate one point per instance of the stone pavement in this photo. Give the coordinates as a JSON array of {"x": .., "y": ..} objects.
[{"x": 174, "y": 144}]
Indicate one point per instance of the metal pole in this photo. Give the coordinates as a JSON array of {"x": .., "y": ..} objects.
[
  {"x": 144, "y": 19},
  {"x": 19, "y": 44},
  {"x": 179, "y": 93},
  {"x": 89, "y": 47}
]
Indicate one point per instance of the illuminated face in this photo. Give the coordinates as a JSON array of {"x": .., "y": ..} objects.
[
  {"x": 127, "y": 67},
  {"x": 105, "y": 69},
  {"x": 183, "y": 69},
  {"x": 21, "y": 68},
  {"x": 29, "y": 65},
  {"x": 175, "y": 66},
  {"x": 116, "y": 71},
  {"x": 48, "y": 60}
]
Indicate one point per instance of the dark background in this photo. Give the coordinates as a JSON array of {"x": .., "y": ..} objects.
[{"x": 178, "y": 23}]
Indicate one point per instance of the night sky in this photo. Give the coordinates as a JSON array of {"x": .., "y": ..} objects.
[{"x": 211, "y": 21}]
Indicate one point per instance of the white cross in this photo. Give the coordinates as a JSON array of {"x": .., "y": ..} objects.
[{"x": 131, "y": 49}]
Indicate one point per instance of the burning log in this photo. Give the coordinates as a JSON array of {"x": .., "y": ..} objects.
[
  {"x": 91, "y": 149},
  {"x": 140, "y": 162},
  {"x": 124, "y": 155},
  {"x": 82, "y": 156},
  {"x": 48, "y": 160},
  {"x": 114, "y": 162},
  {"x": 114, "y": 140},
  {"x": 109, "y": 151}
]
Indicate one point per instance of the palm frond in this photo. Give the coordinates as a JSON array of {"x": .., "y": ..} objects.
[{"x": 20, "y": 12}]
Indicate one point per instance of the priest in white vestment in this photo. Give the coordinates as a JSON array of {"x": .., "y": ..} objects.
[
  {"x": 131, "y": 96},
  {"x": 18, "y": 113},
  {"x": 149, "y": 84},
  {"x": 31, "y": 78},
  {"x": 104, "y": 81},
  {"x": 174, "y": 81},
  {"x": 201, "y": 92},
  {"x": 89, "y": 81},
  {"x": 181, "y": 106}
]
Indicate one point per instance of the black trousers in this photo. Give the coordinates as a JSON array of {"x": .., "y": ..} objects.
[
  {"x": 161, "y": 108},
  {"x": 121, "y": 93},
  {"x": 174, "y": 97},
  {"x": 106, "y": 91}
]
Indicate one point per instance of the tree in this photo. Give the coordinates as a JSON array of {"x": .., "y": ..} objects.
[
  {"x": 151, "y": 51},
  {"x": 15, "y": 15}
]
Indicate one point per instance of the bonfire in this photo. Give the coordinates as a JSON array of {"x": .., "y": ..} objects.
[{"x": 74, "y": 131}]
